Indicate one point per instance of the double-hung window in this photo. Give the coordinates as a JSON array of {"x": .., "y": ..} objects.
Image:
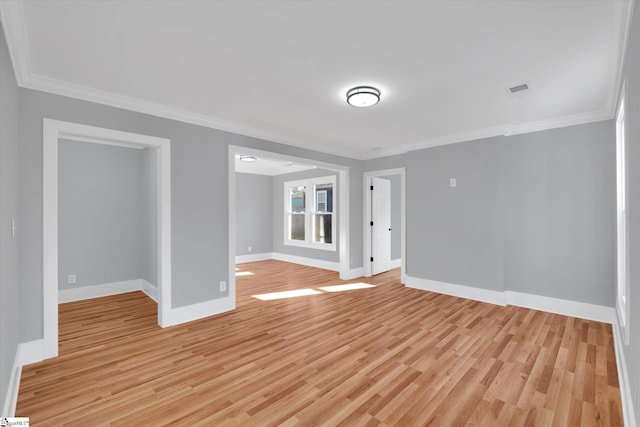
[{"x": 309, "y": 213}]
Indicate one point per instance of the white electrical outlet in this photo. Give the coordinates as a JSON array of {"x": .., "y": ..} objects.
[
  {"x": 72, "y": 279},
  {"x": 453, "y": 182},
  {"x": 249, "y": 249},
  {"x": 223, "y": 286}
]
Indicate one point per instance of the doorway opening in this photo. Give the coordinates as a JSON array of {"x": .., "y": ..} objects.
[
  {"x": 261, "y": 185},
  {"x": 384, "y": 221},
  {"x": 53, "y": 132}
]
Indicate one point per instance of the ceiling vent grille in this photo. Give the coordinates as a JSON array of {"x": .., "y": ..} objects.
[{"x": 520, "y": 90}]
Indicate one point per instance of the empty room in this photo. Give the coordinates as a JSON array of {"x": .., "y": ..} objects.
[{"x": 289, "y": 212}]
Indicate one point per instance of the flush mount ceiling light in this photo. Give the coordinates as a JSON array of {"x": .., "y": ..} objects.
[
  {"x": 248, "y": 158},
  {"x": 363, "y": 96}
]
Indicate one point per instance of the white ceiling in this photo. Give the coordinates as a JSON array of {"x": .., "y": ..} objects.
[
  {"x": 280, "y": 69},
  {"x": 270, "y": 166}
]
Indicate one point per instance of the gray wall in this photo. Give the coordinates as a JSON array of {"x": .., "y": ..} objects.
[
  {"x": 382, "y": 163},
  {"x": 632, "y": 73},
  {"x": 149, "y": 215},
  {"x": 454, "y": 235},
  {"x": 531, "y": 213},
  {"x": 278, "y": 217},
  {"x": 560, "y": 210},
  {"x": 11, "y": 319},
  {"x": 396, "y": 252},
  {"x": 100, "y": 213},
  {"x": 199, "y": 194},
  {"x": 254, "y": 213}
]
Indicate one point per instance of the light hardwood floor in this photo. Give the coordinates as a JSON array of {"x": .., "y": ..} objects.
[{"x": 385, "y": 355}]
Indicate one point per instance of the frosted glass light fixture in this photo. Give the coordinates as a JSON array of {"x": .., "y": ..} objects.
[
  {"x": 363, "y": 96},
  {"x": 248, "y": 158}
]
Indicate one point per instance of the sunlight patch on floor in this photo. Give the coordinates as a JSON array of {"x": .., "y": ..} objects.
[
  {"x": 244, "y": 273},
  {"x": 346, "y": 287},
  {"x": 306, "y": 292},
  {"x": 287, "y": 294}
]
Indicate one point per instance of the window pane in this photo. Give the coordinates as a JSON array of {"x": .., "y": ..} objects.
[
  {"x": 296, "y": 226},
  {"x": 324, "y": 198},
  {"x": 322, "y": 228},
  {"x": 297, "y": 197}
]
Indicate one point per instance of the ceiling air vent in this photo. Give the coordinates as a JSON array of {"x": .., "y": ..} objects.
[{"x": 519, "y": 90}]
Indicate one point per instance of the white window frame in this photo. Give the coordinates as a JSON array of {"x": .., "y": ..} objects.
[
  {"x": 324, "y": 193},
  {"x": 310, "y": 212},
  {"x": 623, "y": 283}
]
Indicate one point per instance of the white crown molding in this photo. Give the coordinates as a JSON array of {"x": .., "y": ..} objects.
[
  {"x": 504, "y": 130},
  {"x": 622, "y": 11},
  {"x": 12, "y": 18},
  {"x": 558, "y": 122},
  {"x": 471, "y": 135}
]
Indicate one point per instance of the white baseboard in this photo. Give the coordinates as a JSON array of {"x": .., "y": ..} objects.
[
  {"x": 403, "y": 279},
  {"x": 26, "y": 354},
  {"x": 469, "y": 292},
  {"x": 395, "y": 263},
  {"x": 311, "y": 262},
  {"x": 150, "y": 290},
  {"x": 11, "y": 399},
  {"x": 253, "y": 257},
  {"x": 352, "y": 274},
  {"x": 102, "y": 290},
  {"x": 583, "y": 310},
  {"x": 31, "y": 352},
  {"x": 200, "y": 310},
  {"x": 623, "y": 378}
]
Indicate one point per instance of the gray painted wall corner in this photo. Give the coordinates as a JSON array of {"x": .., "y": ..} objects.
[
  {"x": 11, "y": 299},
  {"x": 254, "y": 213}
]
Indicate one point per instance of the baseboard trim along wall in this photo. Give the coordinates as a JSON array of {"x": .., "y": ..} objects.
[
  {"x": 150, "y": 290},
  {"x": 327, "y": 265},
  {"x": 469, "y": 292},
  {"x": 200, "y": 310},
  {"x": 11, "y": 399},
  {"x": 102, "y": 290},
  {"x": 310, "y": 262},
  {"x": 583, "y": 310},
  {"x": 579, "y": 309},
  {"x": 240, "y": 259},
  {"x": 352, "y": 274},
  {"x": 26, "y": 354},
  {"x": 623, "y": 378}
]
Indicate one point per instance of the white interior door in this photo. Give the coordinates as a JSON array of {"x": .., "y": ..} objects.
[{"x": 380, "y": 225}]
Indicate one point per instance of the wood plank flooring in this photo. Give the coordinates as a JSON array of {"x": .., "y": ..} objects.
[{"x": 385, "y": 355}]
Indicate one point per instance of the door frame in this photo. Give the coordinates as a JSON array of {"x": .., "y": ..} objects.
[
  {"x": 366, "y": 218},
  {"x": 343, "y": 206},
  {"x": 53, "y": 130}
]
